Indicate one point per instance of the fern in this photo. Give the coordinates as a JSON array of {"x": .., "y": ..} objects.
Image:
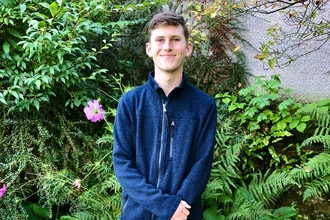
[
  {"x": 267, "y": 189},
  {"x": 320, "y": 113},
  {"x": 228, "y": 190},
  {"x": 89, "y": 215},
  {"x": 315, "y": 175},
  {"x": 324, "y": 139},
  {"x": 245, "y": 206},
  {"x": 317, "y": 110},
  {"x": 317, "y": 187},
  {"x": 317, "y": 166}
]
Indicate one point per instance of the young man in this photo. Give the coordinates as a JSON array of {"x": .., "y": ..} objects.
[{"x": 164, "y": 133}]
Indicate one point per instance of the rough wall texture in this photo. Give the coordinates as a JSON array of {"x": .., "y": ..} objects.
[{"x": 308, "y": 77}]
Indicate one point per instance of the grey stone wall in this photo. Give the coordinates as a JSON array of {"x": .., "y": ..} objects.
[{"x": 307, "y": 77}]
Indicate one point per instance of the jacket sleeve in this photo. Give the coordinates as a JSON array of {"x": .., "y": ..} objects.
[
  {"x": 194, "y": 184},
  {"x": 132, "y": 181}
]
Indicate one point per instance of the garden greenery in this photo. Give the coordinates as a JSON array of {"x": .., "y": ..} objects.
[
  {"x": 51, "y": 51},
  {"x": 253, "y": 167},
  {"x": 55, "y": 164}
]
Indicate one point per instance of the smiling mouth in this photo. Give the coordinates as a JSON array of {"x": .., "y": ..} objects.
[{"x": 167, "y": 55}]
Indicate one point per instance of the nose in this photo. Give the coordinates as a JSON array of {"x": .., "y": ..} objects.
[{"x": 168, "y": 45}]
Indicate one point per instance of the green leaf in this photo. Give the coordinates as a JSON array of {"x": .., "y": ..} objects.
[
  {"x": 46, "y": 5},
  {"x": 301, "y": 127},
  {"x": 22, "y": 8},
  {"x": 15, "y": 94},
  {"x": 294, "y": 123},
  {"x": 37, "y": 105},
  {"x": 285, "y": 104},
  {"x": 262, "y": 117},
  {"x": 77, "y": 102},
  {"x": 6, "y": 47},
  {"x": 212, "y": 213},
  {"x": 226, "y": 100},
  {"x": 5, "y": 2},
  {"x": 233, "y": 98},
  {"x": 67, "y": 217},
  {"x": 53, "y": 8},
  {"x": 324, "y": 102},
  {"x": 281, "y": 125},
  {"x": 240, "y": 105},
  {"x": 285, "y": 212},
  {"x": 266, "y": 217},
  {"x": 39, "y": 210},
  {"x": 272, "y": 63},
  {"x": 45, "y": 79},
  {"x": 232, "y": 108},
  {"x": 13, "y": 32},
  {"x": 27, "y": 208},
  {"x": 38, "y": 83},
  {"x": 2, "y": 99},
  {"x": 305, "y": 118}
]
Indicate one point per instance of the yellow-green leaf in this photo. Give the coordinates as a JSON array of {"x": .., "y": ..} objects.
[
  {"x": 237, "y": 48},
  {"x": 301, "y": 127},
  {"x": 53, "y": 8},
  {"x": 271, "y": 63}
]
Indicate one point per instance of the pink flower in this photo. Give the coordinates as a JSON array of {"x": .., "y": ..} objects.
[
  {"x": 94, "y": 111},
  {"x": 76, "y": 183},
  {"x": 3, "y": 190}
]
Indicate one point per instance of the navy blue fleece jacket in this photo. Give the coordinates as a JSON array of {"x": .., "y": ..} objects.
[{"x": 163, "y": 149}]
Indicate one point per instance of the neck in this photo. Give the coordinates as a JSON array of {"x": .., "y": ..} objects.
[{"x": 168, "y": 81}]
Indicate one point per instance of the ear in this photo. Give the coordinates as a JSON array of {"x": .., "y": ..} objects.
[
  {"x": 148, "y": 49},
  {"x": 189, "y": 49}
]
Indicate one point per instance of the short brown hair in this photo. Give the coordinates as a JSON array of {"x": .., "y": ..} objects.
[{"x": 168, "y": 18}]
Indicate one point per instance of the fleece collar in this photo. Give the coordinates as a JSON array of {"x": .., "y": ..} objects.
[{"x": 159, "y": 92}]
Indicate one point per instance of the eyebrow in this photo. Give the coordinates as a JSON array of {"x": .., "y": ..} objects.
[{"x": 162, "y": 36}]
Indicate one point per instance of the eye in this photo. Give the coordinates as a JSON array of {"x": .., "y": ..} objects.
[
  {"x": 159, "y": 40},
  {"x": 176, "y": 39}
]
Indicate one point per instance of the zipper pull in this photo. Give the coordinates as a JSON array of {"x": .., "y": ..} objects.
[
  {"x": 164, "y": 108},
  {"x": 172, "y": 129}
]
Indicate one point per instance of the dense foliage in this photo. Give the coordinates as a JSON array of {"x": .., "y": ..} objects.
[
  {"x": 52, "y": 51},
  {"x": 57, "y": 55},
  {"x": 267, "y": 146}
]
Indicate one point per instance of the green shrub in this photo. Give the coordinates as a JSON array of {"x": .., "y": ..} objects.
[
  {"x": 245, "y": 181},
  {"x": 43, "y": 153},
  {"x": 51, "y": 51}
]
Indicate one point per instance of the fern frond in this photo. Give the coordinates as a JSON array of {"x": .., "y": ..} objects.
[
  {"x": 113, "y": 184},
  {"x": 319, "y": 112},
  {"x": 98, "y": 199},
  {"x": 317, "y": 187},
  {"x": 317, "y": 166},
  {"x": 245, "y": 206},
  {"x": 90, "y": 215},
  {"x": 267, "y": 189},
  {"x": 322, "y": 139},
  {"x": 217, "y": 191},
  {"x": 107, "y": 139},
  {"x": 224, "y": 170}
]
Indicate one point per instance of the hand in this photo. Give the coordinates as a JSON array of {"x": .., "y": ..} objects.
[{"x": 182, "y": 211}]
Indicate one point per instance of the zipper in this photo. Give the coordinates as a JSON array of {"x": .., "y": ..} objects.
[
  {"x": 164, "y": 125},
  {"x": 162, "y": 142},
  {"x": 171, "y": 140}
]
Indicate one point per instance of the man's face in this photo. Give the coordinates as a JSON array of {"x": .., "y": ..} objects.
[{"x": 168, "y": 48}]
